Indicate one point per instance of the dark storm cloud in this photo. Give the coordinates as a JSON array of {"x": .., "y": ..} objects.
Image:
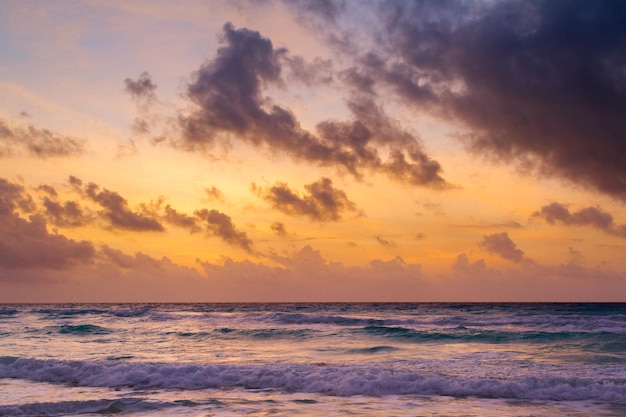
[
  {"x": 322, "y": 201},
  {"x": 42, "y": 143},
  {"x": 228, "y": 92},
  {"x": 219, "y": 224},
  {"x": 502, "y": 245},
  {"x": 591, "y": 216},
  {"x": 142, "y": 88},
  {"x": 116, "y": 210},
  {"x": 26, "y": 244},
  {"x": 538, "y": 82}
]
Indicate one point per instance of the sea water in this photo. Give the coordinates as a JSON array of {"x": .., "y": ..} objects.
[{"x": 313, "y": 360}]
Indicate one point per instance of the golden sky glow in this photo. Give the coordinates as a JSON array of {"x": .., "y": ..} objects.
[{"x": 309, "y": 151}]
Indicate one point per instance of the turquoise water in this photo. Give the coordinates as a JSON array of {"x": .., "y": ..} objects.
[{"x": 313, "y": 359}]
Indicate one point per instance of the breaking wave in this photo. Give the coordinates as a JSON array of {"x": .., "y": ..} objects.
[{"x": 348, "y": 380}]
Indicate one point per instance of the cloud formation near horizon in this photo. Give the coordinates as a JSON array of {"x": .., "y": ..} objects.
[
  {"x": 501, "y": 245},
  {"x": 26, "y": 244}
]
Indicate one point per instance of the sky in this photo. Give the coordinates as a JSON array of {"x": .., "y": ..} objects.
[{"x": 238, "y": 151}]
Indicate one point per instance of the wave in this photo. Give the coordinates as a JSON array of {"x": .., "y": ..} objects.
[
  {"x": 369, "y": 380},
  {"x": 62, "y": 408},
  {"x": 54, "y": 313},
  {"x": 7, "y": 312},
  {"x": 612, "y": 341},
  {"x": 300, "y": 318},
  {"x": 115, "y": 310},
  {"x": 487, "y": 320},
  {"x": 372, "y": 350},
  {"x": 82, "y": 329}
]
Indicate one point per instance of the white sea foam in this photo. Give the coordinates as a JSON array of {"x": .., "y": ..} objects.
[{"x": 315, "y": 378}]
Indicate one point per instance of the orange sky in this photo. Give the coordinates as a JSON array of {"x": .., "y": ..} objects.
[{"x": 312, "y": 151}]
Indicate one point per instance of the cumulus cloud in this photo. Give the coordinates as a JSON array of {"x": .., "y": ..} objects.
[
  {"x": 185, "y": 221},
  {"x": 371, "y": 129},
  {"x": 142, "y": 88},
  {"x": 502, "y": 245},
  {"x": 41, "y": 143},
  {"x": 116, "y": 211},
  {"x": 590, "y": 216},
  {"x": 539, "y": 82},
  {"x": 463, "y": 265},
  {"x": 26, "y": 244},
  {"x": 228, "y": 95},
  {"x": 48, "y": 189},
  {"x": 12, "y": 197},
  {"x": 68, "y": 214},
  {"x": 211, "y": 223},
  {"x": 218, "y": 224},
  {"x": 307, "y": 276},
  {"x": 321, "y": 202}
]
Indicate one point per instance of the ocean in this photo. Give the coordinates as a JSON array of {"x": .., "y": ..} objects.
[{"x": 313, "y": 360}]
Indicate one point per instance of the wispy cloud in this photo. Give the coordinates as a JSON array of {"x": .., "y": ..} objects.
[{"x": 42, "y": 143}]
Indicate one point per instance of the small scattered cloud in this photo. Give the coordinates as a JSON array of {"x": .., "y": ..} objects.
[
  {"x": 213, "y": 193},
  {"x": 182, "y": 220},
  {"x": 321, "y": 202},
  {"x": 279, "y": 229},
  {"x": 142, "y": 88},
  {"x": 116, "y": 211},
  {"x": 595, "y": 217},
  {"x": 12, "y": 197},
  {"x": 385, "y": 242},
  {"x": 219, "y": 224},
  {"x": 502, "y": 245}
]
